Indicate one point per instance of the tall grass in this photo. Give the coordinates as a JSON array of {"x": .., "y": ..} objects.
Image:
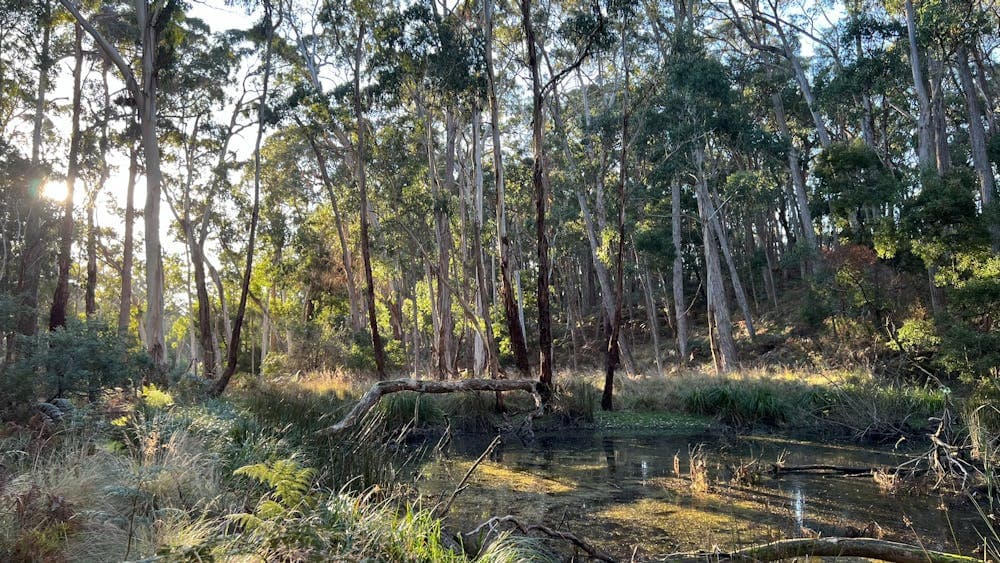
[{"x": 190, "y": 482}]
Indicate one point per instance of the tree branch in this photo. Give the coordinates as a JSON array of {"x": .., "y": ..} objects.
[
  {"x": 107, "y": 48},
  {"x": 372, "y": 397},
  {"x": 829, "y": 547}
]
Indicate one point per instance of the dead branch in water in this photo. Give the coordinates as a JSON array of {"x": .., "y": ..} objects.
[
  {"x": 372, "y": 397},
  {"x": 828, "y": 547},
  {"x": 440, "y": 510},
  {"x": 779, "y": 469},
  {"x": 946, "y": 462},
  {"x": 492, "y": 524}
]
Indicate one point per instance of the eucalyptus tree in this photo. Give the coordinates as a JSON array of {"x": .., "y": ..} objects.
[
  {"x": 541, "y": 87},
  {"x": 57, "y": 314},
  {"x": 515, "y": 327},
  {"x": 142, "y": 82},
  {"x": 271, "y": 18},
  {"x": 197, "y": 139},
  {"x": 31, "y": 258}
]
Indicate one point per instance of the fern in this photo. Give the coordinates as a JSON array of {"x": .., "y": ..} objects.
[{"x": 288, "y": 481}]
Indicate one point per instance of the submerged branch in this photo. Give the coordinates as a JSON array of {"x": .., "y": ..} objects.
[
  {"x": 372, "y": 397},
  {"x": 441, "y": 510},
  {"x": 829, "y": 547},
  {"x": 492, "y": 524}
]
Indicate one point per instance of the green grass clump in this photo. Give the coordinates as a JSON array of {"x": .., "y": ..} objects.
[
  {"x": 405, "y": 408},
  {"x": 745, "y": 404}
]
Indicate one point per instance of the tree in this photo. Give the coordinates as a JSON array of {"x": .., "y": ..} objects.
[{"x": 152, "y": 18}]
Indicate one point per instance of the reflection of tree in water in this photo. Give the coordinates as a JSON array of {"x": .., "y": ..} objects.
[{"x": 609, "y": 454}]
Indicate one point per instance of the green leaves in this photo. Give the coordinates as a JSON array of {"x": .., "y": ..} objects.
[{"x": 288, "y": 481}]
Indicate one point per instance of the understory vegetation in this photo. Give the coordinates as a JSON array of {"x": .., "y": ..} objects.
[{"x": 146, "y": 473}]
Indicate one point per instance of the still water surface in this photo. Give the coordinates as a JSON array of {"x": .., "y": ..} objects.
[{"x": 622, "y": 491}]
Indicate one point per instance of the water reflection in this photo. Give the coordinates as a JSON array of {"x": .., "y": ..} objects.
[{"x": 622, "y": 490}]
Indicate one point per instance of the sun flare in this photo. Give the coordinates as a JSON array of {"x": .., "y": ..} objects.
[{"x": 55, "y": 190}]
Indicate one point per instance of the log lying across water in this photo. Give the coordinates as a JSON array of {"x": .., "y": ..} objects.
[
  {"x": 372, "y": 397},
  {"x": 830, "y": 547}
]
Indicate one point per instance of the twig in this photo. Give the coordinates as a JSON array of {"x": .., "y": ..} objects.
[
  {"x": 492, "y": 524},
  {"x": 440, "y": 510}
]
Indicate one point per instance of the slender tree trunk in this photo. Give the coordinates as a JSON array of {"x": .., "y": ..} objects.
[
  {"x": 718, "y": 305},
  {"x": 515, "y": 328},
  {"x": 986, "y": 90},
  {"x": 651, "y": 313},
  {"x": 234, "y": 340},
  {"x": 128, "y": 250},
  {"x": 798, "y": 179},
  {"x": 483, "y": 301},
  {"x": 977, "y": 137},
  {"x": 151, "y": 214},
  {"x": 205, "y": 331},
  {"x": 60, "y": 300},
  {"x": 734, "y": 273},
  {"x": 540, "y": 195},
  {"x": 377, "y": 347},
  {"x": 30, "y": 266},
  {"x": 442, "y": 229},
  {"x": 925, "y": 150},
  {"x": 90, "y": 296},
  {"x": 680, "y": 306},
  {"x": 613, "y": 350},
  {"x": 938, "y": 118}
]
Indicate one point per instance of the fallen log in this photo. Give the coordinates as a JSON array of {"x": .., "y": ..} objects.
[
  {"x": 372, "y": 397},
  {"x": 829, "y": 547},
  {"x": 779, "y": 469}
]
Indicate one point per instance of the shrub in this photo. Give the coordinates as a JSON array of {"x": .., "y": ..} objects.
[{"x": 82, "y": 357}]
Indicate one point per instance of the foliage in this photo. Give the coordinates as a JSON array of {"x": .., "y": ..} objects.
[{"x": 83, "y": 357}]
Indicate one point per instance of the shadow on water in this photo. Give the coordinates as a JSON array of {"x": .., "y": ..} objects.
[{"x": 624, "y": 492}]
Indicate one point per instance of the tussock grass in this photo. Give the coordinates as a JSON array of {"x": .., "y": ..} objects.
[{"x": 177, "y": 481}]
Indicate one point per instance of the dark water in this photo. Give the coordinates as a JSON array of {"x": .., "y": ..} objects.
[{"x": 621, "y": 491}]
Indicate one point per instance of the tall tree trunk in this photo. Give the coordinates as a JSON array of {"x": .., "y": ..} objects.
[
  {"x": 538, "y": 182},
  {"x": 734, "y": 273},
  {"x": 515, "y": 328},
  {"x": 151, "y": 214},
  {"x": 377, "y": 347},
  {"x": 60, "y": 299},
  {"x": 128, "y": 250},
  {"x": 925, "y": 149},
  {"x": 939, "y": 120},
  {"x": 652, "y": 313},
  {"x": 977, "y": 137},
  {"x": 986, "y": 90},
  {"x": 234, "y": 340},
  {"x": 443, "y": 192},
  {"x": 205, "y": 331},
  {"x": 30, "y": 266},
  {"x": 680, "y": 306},
  {"x": 798, "y": 179},
  {"x": 105, "y": 172},
  {"x": 483, "y": 301},
  {"x": 718, "y": 304},
  {"x": 613, "y": 350},
  {"x": 90, "y": 292}
]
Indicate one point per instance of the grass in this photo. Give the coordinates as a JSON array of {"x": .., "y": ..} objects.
[{"x": 216, "y": 480}]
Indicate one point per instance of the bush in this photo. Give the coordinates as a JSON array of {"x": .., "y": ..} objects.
[{"x": 82, "y": 357}]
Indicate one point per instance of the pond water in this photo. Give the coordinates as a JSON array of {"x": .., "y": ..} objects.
[{"x": 622, "y": 492}]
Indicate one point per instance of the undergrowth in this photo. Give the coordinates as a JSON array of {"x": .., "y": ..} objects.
[{"x": 249, "y": 479}]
